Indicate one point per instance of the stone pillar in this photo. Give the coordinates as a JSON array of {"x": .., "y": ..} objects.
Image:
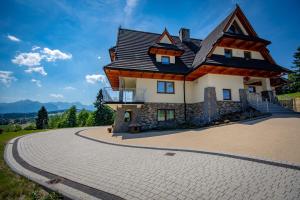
[
  {"x": 243, "y": 99},
  {"x": 210, "y": 108}
]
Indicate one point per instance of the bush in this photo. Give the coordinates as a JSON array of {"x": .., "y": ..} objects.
[{"x": 30, "y": 127}]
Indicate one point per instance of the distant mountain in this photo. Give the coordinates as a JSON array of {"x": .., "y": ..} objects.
[{"x": 28, "y": 106}]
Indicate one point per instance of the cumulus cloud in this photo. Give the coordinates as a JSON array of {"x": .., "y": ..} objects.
[
  {"x": 94, "y": 78},
  {"x": 39, "y": 70},
  {"x": 57, "y": 96},
  {"x": 55, "y": 54},
  {"x": 69, "y": 88},
  {"x": 37, "y": 82},
  {"x": 28, "y": 59},
  {"x": 6, "y": 78},
  {"x": 13, "y": 38}
]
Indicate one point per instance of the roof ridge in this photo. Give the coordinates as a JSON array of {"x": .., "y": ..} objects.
[{"x": 154, "y": 33}]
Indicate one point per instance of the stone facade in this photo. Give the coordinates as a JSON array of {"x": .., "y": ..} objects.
[{"x": 226, "y": 107}]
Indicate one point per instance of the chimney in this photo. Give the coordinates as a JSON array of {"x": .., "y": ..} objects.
[{"x": 184, "y": 34}]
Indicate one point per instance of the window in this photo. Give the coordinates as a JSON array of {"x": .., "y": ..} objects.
[
  {"x": 165, "y": 60},
  {"x": 226, "y": 94},
  {"x": 165, "y": 87},
  {"x": 228, "y": 53},
  {"x": 127, "y": 116},
  {"x": 247, "y": 55},
  {"x": 235, "y": 28},
  {"x": 165, "y": 114},
  {"x": 251, "y": 89}
]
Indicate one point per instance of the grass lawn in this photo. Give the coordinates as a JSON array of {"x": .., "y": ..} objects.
[
  {"x": 291, "y": 95},
  {"x": 13, "y": 186}
]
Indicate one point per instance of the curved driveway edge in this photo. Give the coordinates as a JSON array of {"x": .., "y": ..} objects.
[
  {"x": 64, "y": 186},
  {"x": 139, "y": 173},
  {"x": 235, "y": 156}
]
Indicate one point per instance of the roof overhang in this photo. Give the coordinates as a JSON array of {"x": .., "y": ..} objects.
[
  {"x": 214, "y": 69},
  {"x": 165, "y": 51},
  {"x": 114, "y": 74}
]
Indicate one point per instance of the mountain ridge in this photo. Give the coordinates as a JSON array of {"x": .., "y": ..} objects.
[{"x": 30, "y": 106}]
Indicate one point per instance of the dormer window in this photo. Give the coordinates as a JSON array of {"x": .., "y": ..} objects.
[
  {"x": 165, "y": 60},
  {"x": 247, "y": 55},
  {"x": 228, "y": 53}
]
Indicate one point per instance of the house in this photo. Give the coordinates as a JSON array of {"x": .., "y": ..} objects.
[{"x": 161, "y": 80}]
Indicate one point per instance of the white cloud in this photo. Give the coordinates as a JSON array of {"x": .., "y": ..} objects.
[
  {"x": 94, "y": 78},
  {"x": 57, "y": 96},
  {"x": 53, "y": 55},
  {"x": 28, "y": 59},
  {"x": 13, "y": 38},
  {"x": 6, "y": 78},
  {"x": 69, "y": 88},
  {"x": 130, "y": 5},
  {"x": 99, "y": 57},
  {"x": 39, "y": 70},
  {"x": 37, "y": 82},
  {"x": 35, "y": 48}
]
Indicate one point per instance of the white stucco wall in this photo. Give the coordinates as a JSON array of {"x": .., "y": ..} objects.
[
  {"x": 151, "y": 95},
  {"x": 158, "y": 58},
  {"x": 220, "y": 82},
  {"x": 238, "y": 53}
]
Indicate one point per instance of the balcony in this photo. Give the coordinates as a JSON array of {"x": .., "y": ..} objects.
[{"x": 123, "y": 95}]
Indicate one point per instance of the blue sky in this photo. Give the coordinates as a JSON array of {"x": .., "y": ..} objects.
[{"x": 55, "y": 50}]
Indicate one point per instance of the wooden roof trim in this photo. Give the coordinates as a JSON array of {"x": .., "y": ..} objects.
[{"x": 167, "y": 34}]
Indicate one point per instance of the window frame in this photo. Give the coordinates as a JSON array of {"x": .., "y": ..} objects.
[
  {"x": 251, "y": 86},
  {"x": 249, "y": 53},
  {"x": 165, "y": 115},
  {"x": 165, "y": 87},
  {"x": 230, "y": 96},
  {"x": 130, "y": 115},
  {"x": 169, "y": 59},
  {"x": 229, "y": 50}
]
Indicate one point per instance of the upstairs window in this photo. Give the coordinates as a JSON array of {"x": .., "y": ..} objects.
[
  {"x": 165, "y": 60},
  {"x": 165, "y": 87},
  {"x": 228, "y": 53},
  {"x": 226, "y": 94},
  {"x": 247, "y": 55}
]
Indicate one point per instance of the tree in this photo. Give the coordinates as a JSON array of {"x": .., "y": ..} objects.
[
  {"x": 295, "y": 76},
  {"x": 71, "y": 117},
  {"x": 82, "y": 117},
  {"x": 104, "y": 115},
  {"x": 42, "y": 118},
  {"x": 91, "y": 119}
]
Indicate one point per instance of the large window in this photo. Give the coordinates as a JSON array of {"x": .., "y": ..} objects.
[
  {"x": 165, "y": 87},
  {"x": 247, "y": 55},
  {"x": 165, "y": 114},
  {"x": 226, "y": 94},
  {"x": 165, "y": 60},
  {"x": 228, "y": 53}
]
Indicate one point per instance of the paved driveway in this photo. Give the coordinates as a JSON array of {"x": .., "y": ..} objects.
[{"x": 89, "y": 169}]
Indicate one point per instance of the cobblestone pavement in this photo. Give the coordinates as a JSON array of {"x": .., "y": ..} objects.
[{"x": 132, "y": 173}]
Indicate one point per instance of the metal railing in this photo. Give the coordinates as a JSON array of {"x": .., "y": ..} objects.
[
  {"x": 123, "y": 95},
  {"x": 256, "y": 101}
]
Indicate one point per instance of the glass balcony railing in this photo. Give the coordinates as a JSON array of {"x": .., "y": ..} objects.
[{"x": 123, "y": 95}]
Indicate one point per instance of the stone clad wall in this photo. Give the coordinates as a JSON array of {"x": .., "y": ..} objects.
[{"x": 226, "y": 107}]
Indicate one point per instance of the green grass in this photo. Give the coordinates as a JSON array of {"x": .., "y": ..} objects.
[
  {"x": 13, "y": 186},
  {"x": 291, "y": 95}
]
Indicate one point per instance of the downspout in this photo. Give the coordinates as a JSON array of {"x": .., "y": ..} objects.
[{"x": 184, "y": 99}]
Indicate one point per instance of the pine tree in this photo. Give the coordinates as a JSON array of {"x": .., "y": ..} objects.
[
  {"x": 103, "y": 115},
  {"x": 82, "y": 117},
  {"x": 42, "y": 118},
  {"x": 71, "y": 117},
  {"x": 295, "y": 77}
]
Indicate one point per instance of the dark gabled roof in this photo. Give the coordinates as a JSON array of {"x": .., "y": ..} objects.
[
  {"x": 132, "y": 53},
  {"x": 167, "y": 46},
  {"x": 208, "y": 43},
  {"x": 237, "y": 62}
]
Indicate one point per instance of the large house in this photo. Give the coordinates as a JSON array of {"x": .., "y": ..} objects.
[{"x": 161, "y": 80}]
